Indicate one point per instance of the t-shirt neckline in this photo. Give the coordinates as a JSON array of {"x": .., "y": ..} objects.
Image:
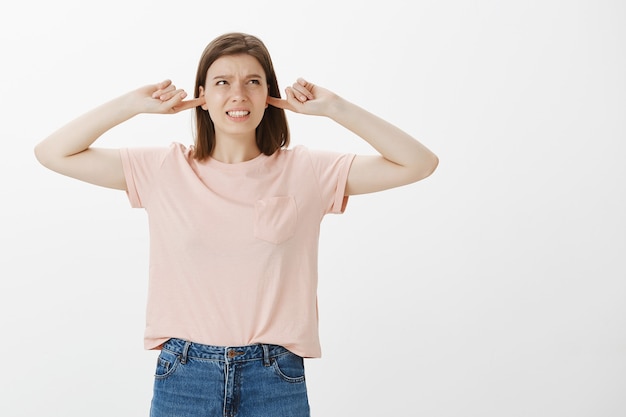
[{"x": 237, "y": 166}]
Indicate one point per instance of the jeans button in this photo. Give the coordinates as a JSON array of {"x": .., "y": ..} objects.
[{"x": 232, "y": 353}]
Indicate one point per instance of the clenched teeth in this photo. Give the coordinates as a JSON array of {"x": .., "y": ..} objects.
[{"x": 238, "y": 113}]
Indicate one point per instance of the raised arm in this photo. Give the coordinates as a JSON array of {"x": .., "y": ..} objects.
[
  {"x": 402, "y": 159},
  {"x": 68, "y": 151}
]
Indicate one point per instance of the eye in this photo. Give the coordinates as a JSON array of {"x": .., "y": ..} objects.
[
  {"x": 254, "y": 81},
  {"x": 221, "y": 82}
]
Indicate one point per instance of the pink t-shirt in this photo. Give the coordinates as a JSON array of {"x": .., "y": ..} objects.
[{"x": 234, "y": 247}]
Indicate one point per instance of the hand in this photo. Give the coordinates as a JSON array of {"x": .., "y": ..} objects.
[
  {"x": 165, "y": 98},
  {"x": 305, "y": 97}
]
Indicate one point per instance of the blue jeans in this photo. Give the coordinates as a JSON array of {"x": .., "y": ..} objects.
[{"x": 193, "y": 380}]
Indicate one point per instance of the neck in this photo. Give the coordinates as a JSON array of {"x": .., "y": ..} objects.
[{"x": 232, "y": 150}]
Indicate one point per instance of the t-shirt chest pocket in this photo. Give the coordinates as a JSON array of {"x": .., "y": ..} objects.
[{"x": 275, "y": 219}]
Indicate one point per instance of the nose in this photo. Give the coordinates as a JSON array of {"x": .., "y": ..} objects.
[{"x": 238, "y": 92}]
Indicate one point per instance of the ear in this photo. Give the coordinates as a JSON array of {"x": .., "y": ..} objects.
[{"x": 201, "y": 94}]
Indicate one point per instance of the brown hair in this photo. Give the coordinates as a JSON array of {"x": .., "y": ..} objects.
[{"x": 273, "y": 131}]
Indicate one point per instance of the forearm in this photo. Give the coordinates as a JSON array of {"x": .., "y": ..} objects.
[
  {"x": 68, "y": 151},
  {"x": 402, "y": 158},
  {"x": 391, "y": 142},
  {"x": 78, "y": 135}
]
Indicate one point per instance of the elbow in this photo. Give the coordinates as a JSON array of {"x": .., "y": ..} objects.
[
  {"x": 432, "y": 166},
  {"x": 425, "y": 168},
  {"x": 47, "y": 157},
  {"x": 41, "y": 155}
]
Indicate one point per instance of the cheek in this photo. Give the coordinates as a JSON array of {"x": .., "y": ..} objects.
[
  {"x": 261, "y": 97},
  {"x": 213, "y": 103},
  {"x": 213, "y": 110}
]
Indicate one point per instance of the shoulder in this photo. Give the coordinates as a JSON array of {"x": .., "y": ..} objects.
[
  {"x": 294, "y": 152},
  {"x": 156, "y": 156},
  {"x": 287, "y": 156},
  {"x": 319, "y": 162},
  {"x": 301, "y": 152},
  {"x": 318, "y": 156},
  {"x": 179, "y": 149},
  {"x": 173, "y": 148}
]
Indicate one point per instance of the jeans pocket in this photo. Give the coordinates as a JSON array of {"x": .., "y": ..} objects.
[
  {"x": 167, "y": 362},
  {"x": 289, "y": 367},
  {"x": 275, "y": 219}
]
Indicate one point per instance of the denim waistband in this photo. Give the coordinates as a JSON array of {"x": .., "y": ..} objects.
[{"x": 223, "y": 353}]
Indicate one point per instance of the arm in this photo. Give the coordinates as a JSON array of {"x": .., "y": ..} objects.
[
  {"x": 68, "y": 151},
  {"x": 402, "y": 159}
]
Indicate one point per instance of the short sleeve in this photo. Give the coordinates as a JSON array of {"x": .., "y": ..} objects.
[
  {"x": 140, "y": 169},
  {"x": 331, "y": 169}
]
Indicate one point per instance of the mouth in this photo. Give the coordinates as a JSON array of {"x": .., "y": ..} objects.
[{"x": 238, "y": 113}]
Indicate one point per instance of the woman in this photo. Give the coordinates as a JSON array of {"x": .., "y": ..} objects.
[{"x": 234, "y": 224}]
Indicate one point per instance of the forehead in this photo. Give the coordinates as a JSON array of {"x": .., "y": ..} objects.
[{"x": 241, "y": 64}]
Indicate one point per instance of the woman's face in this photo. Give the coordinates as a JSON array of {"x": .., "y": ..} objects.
[{"x": 236, "y": 94}]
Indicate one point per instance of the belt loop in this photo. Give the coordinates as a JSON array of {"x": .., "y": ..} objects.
[
  {"x": 183, "y": 359},
  {"x": 266, "y": 355}
]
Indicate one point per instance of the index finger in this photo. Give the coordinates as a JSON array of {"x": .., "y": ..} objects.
[
  {"x": 279, "y": 103},
  {"x": 189, "y": 104}
]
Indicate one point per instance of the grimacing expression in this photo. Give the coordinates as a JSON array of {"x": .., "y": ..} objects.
[{"x": 236, "y": 94}]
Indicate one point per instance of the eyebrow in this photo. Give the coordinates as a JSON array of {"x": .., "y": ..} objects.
[{"x": 231, "y": 76}]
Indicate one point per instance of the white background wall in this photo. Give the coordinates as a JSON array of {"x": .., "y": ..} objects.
[{"x": 496, "y": 287}]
